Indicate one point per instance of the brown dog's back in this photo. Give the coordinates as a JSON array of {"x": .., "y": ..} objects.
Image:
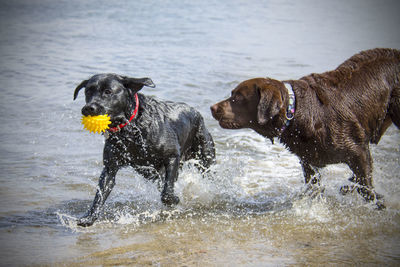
[{"x": 365, "y": 88}]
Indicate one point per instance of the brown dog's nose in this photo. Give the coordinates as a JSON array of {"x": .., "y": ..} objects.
[{"x": 214, "y": 108}]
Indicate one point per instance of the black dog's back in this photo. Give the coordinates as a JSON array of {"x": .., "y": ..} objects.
[{"x": 173, "y": 127}]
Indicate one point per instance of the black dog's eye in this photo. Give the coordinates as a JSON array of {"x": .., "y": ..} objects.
[{"x": 108, "y": 92}]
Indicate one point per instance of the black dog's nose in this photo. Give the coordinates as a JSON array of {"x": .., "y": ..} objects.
[{"x": 91, "y": 110}]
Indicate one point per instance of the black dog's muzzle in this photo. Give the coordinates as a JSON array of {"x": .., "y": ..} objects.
[{"x": 93, "y": 109}]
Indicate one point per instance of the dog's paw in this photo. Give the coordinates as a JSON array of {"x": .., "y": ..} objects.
[
  {"x": 169, "y": 199},
  {"x": 86, "y": 221},
  {"x": 380, "y": 205},
  {"x": 346, "y": 189},
  {"x": 367, "y": 193}
]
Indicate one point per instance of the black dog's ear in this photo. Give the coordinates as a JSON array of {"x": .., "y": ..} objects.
[
  {"x": 79, "y": 87},
  {"x": 135, "y": 84}
]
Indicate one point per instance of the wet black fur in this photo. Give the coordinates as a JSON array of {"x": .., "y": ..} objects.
[{"x": 161, "y": 136}]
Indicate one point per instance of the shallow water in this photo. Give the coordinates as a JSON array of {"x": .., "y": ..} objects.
[{"x": 250, "y": 211}]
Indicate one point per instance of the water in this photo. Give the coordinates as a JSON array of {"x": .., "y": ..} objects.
[{"x": 249, "y": 212}]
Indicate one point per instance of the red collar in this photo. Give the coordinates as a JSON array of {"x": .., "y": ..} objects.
[{"x": 119, "y": 127}]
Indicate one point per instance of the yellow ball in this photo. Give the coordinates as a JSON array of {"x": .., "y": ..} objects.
[{"x": 96, "y": 124}]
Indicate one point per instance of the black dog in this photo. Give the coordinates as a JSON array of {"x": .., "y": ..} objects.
[{"x": 153, "y": 141}]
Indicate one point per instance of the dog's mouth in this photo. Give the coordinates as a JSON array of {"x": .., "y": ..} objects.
[
  {"x": 227, "y": 124},
  {"x": 217, "y": 116},
  {"x": 115, "y": 119}
]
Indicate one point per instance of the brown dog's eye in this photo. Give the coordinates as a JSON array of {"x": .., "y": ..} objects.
[{"x": 237, "y": 97}]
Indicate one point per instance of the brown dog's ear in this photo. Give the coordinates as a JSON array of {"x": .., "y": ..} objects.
[
  {"x": 269, "y": 105},
  {"x": 79, "y": 87},
  {"x": 135, "y": 84}
]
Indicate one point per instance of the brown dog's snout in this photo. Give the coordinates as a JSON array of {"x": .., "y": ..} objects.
[
  {"x": 214, "y": 108},
  {"x": 92, "y": 109},
  {"x": 216, "y": 111}
]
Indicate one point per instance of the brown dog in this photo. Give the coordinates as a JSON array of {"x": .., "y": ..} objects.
[{"x": 324, "y": 118}]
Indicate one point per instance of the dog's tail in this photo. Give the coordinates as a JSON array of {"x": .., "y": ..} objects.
[{"x": 394, "y": 107}]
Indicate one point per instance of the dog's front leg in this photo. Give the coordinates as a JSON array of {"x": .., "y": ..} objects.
[
  {"x": 311, "y": 175},
  {"x": 106, "y": 184},
  {"x": 312, "y": 180},
  {"x": 171, "y": 175},
  {"x": 361, "y": 165}
]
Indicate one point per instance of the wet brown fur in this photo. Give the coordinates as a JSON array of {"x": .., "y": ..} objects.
[{"x": 338, "y": 113}]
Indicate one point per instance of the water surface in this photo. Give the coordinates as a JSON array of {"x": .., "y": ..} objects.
[{"x": 249, "y": 212}]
